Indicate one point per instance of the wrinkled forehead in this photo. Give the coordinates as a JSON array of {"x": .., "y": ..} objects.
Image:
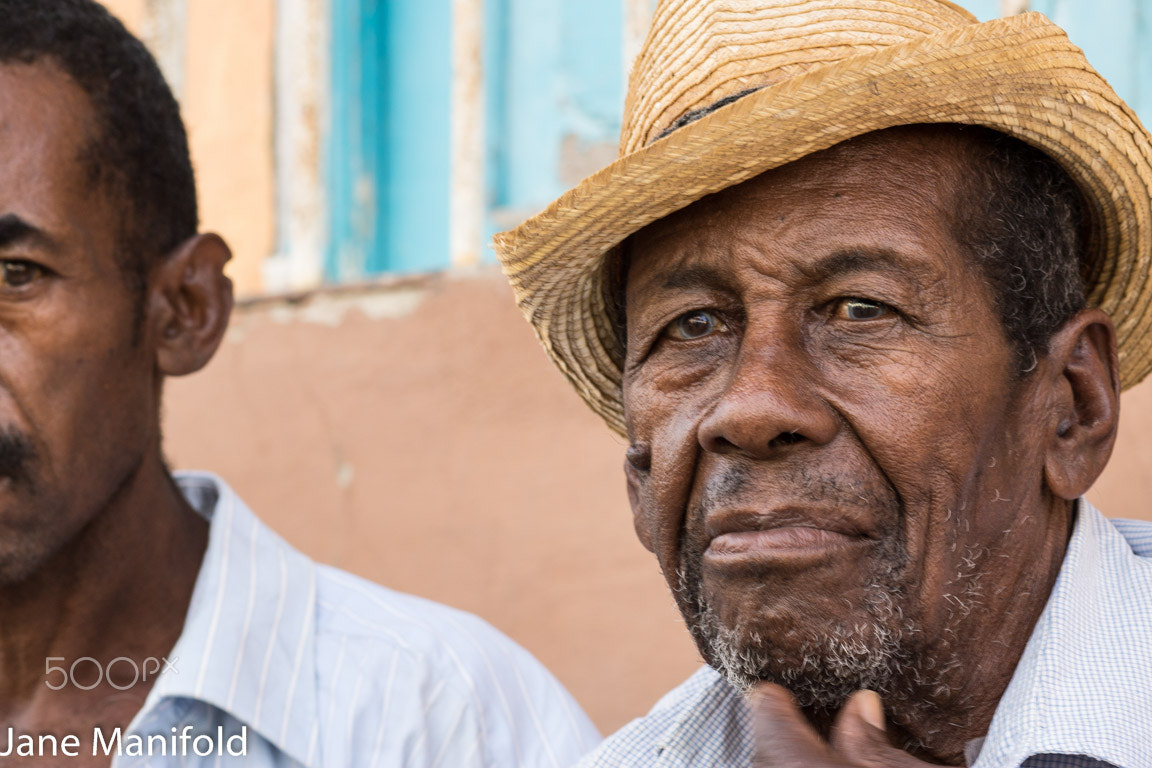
[{"x": 895, "y": 190}]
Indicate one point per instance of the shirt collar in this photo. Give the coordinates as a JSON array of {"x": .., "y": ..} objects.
[
  {"x": 248, "y": 644},
  {"x": 1084, "y": 683},
  {"x": 711, "y": 723}
]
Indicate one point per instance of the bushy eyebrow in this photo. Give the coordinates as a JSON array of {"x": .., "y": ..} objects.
[
  {"x": 695, "y": 277},
  {"x": 855, "y": 260},
  {"x": 14, "y": 231},
  {"x": 837, "y": 263}
]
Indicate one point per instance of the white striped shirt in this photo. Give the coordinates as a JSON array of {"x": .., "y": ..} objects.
[
  {"x": 326, "y": 669},
  {"x": 1081, "y": 696}
]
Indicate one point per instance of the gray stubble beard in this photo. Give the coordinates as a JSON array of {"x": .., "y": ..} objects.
[
  {"x": 883, "y": 650},
  {"x": 873, "y": 651}
]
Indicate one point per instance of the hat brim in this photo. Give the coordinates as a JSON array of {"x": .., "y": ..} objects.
[{"x": 1018, "y": 75}]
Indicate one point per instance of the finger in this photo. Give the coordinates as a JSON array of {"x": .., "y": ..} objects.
[
  {"x": 859, "y": 734},
  {"x": 781, "y": 734}
]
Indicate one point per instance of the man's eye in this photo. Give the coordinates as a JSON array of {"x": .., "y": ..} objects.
[
  {"x": 861, "y": 309},
  {"x": 18, "y": 274},
  {"x": 695, "y": 325}
]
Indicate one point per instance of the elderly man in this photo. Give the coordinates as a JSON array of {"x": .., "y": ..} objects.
[
  {"x": 854, "y": 293},
  {"x": 152, "y": 620}
]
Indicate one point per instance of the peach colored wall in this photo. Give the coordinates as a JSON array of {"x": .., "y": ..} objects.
[
  {"x": 418, "y": 437},
  {"x": 227, "y": 102},
  {"x": 132, "y": 12},
  {"x": 1125, "y": 488}
]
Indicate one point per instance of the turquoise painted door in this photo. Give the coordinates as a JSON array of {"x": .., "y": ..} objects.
[
  {"x": 555, "y": 90},
  {"x": 388, "y": 153}
]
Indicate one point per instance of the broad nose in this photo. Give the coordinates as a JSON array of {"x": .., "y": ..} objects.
[{"x": 771, "y": 404}]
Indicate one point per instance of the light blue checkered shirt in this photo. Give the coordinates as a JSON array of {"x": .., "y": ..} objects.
[
  {"x": 1081, "y": 696},
  {"x": 326, "y": 669}
]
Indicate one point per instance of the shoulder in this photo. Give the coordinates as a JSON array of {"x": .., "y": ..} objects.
[
  {"x": 701, "y": 722},
  {"x": 349, "y": 609},
  {"x": 339, "y": 667},
  {"x": 459, "y": 682},
  {"x": 1138, "y": 534}
]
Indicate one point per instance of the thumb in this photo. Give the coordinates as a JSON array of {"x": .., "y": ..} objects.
[
  {"x": 860, "y": 735},
  {"x": 782, "y": 735}
]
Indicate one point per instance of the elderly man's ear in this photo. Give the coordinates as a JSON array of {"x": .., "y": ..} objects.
[
  {"x": 189, "y": 304},
  {"x": 1083, "y": 373},
  {"x": 637, "y": 464}
]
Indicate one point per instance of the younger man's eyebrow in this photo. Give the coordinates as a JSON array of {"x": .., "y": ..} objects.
[{"x": 14, "y": 231}]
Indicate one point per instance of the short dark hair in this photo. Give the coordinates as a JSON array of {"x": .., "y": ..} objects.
[
  {"x": 139, "y": 149},
  {"x": 1021, "y": 217}
]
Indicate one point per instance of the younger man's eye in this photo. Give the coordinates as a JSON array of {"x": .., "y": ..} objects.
[{"x": 17, "y": 274}]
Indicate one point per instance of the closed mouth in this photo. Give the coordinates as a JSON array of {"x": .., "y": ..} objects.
[{"x": 790, "y": 535}]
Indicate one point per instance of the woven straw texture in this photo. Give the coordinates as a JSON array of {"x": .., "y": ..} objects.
[{"x": 828, "y": 70}]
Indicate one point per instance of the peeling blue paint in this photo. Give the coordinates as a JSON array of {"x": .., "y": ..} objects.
[
  {"x": 388, "y": 149},
  {"x": 554, "y": 70}
]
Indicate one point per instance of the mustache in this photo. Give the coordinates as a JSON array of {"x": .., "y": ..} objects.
[
  {"x": 799, "y": 483},
  {"x": 16, "y": 454}
]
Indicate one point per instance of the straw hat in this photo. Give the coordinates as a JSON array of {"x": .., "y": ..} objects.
[{"x": 825, "y": 71}]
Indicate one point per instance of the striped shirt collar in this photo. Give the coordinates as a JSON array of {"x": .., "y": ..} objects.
[{"x": 250, "y": 651}]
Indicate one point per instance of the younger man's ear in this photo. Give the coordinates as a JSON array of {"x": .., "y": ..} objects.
[
  {"x": 189, "y": 304},
  {"x": 1085, "y": 408}
]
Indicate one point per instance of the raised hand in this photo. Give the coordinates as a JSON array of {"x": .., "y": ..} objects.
[{"x": 785, "y": 739}]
